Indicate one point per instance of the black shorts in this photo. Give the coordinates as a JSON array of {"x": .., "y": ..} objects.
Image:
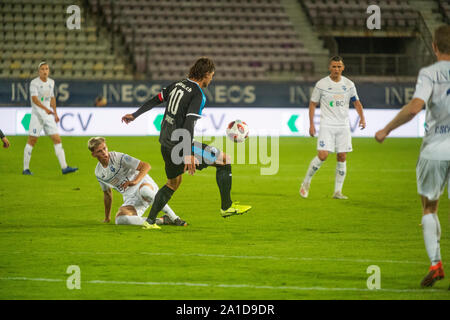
[{"x": 205, "y": 154}]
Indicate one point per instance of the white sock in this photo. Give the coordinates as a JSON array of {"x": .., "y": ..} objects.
[
  {"x": 60, "y": 155},
  {"x": 312, "y": 169},
  {"x": 170, "y": 212},
  {"x": 27, "y": 156},
  {"x": 432, "y": 236},
  {"x": 134, "y": 220},
  {"x": 149, "y": 195},
  {"x": 341, "y": 171}
]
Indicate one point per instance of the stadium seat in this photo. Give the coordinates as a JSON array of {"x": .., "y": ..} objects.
[
  {"x": 24, "y": 33},
  {"x": 234, "y": 28}
]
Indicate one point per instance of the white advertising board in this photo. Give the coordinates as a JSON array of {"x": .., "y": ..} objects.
[{"x": 261, "y": 121}]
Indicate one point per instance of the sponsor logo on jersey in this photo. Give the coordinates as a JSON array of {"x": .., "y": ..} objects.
[{"x": 444, "y": 129}]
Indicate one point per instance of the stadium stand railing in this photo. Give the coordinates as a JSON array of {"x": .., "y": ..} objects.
[
  {"x": 246, "y": 39},
  {"x": 347, "y": 18}
]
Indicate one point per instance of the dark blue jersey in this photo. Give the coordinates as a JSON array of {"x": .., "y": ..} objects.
[{"x": 183, "y": 99}]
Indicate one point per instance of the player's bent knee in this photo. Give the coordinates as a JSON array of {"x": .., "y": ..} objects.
[
  {"x": 174, "y": 183},
  {"x": 56, "y": 139},
  {"x": 429, "y": 206},
  {"x": 147, "y": 193},
  {"x": 32, "y": 140},
  {"x": 323, "y": 155}
]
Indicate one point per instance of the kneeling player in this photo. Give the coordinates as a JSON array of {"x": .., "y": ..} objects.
[{"x": 129, "y": 176}]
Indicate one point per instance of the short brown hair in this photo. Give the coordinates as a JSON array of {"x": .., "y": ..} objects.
[
  {"x": 95, "y": 142},
  {"x": 442, "y": 39},
  {"x": 336, "y": 58},
  {"x": 200, "y": 68}
]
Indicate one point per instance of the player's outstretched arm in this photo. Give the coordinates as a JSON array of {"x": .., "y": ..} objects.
[
  {"x": 408, "y": 112},
  {"x": 153, "y": 102},
  {"x": 312, "y": 111},
  {"x": 359, "y": 109},
  {"x": 107, "y": 200}
]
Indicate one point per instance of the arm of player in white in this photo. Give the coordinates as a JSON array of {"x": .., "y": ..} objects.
[
  {"x": 53, "y": 106},
  {"x": 107, "y": 200},
  {"x": 359, "y": 109},
  {"x": 143, "y": 169},
  {"x": 40, "y": 105},
  {"x": 312, "y": 111},
  {"x": 408, "y": 112}
]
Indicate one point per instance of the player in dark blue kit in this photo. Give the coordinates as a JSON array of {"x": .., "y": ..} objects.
[{"x": 185, "y": 101}]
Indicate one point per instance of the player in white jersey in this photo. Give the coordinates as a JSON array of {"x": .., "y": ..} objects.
[
  {"x": 334, "y": 94},
  {"x": 433, "y": 165},
  {"x": 44, "y": 116},
  {"x": 127, "y": 175}
]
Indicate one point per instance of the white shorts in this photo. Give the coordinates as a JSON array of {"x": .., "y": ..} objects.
[
  {"x": 334, "y": 139},
  {"x": 134, "y": 198},
  {"x": 39, "y": 122},
  {"x": 432, "y": 176}
]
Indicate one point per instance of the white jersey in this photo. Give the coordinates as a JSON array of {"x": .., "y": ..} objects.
[
  {"x": 433, "y": 87},
  {"x": 334, "y": 99},
  {"x": 121, "y": 168},
  {"x": 44, "y": 92}
]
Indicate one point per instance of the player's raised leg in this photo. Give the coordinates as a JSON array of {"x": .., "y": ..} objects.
[
  {"x": 59, "y": 151},
  {"x": 341, "y": 172},
  {"x": 313, "y": 167}
]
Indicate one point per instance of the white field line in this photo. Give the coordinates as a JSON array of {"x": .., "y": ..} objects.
[
  {"x": 222, "y": 256},
  {"x": 212, "y": 285}
]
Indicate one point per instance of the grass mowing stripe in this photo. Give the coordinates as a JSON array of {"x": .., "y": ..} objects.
[
  {"x": 225, "y": 256},
  {"x": 221, "y": 285}
]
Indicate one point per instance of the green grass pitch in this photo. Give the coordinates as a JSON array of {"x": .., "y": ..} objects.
[{"x": 286, "y": 247}]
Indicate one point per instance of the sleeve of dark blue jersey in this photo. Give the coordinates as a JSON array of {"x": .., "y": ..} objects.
[
  {"x": 193, "y": 113},
  {"x": 1, "y": 135},
  {"x": 153, "y": 102}
]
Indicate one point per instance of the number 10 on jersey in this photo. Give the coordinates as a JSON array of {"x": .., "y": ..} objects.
[{"x": 174, "y": 100}]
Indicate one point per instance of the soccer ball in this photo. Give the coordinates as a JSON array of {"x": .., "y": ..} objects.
[{"x": 237, "y": 131}]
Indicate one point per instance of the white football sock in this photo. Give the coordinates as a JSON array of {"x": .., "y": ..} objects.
[
  {"x": 27, "y": 156},
  {"x": 59, "y": 151},
  {"x": 341, "y": 171},
  {"x": 432, "y": 236},
  {"x": 149, "y": 194},
  {"x": 170, "y": 212},
  {"x": 312, "y": 169},
  {"x": 134, "y": 220}
]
